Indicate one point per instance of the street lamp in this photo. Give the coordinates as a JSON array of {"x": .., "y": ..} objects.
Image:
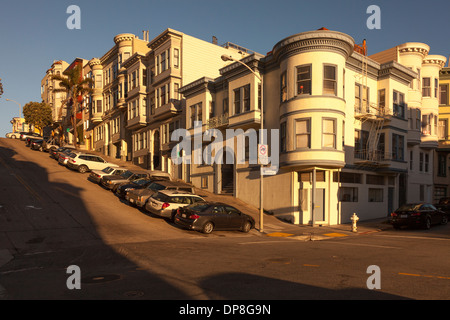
[
  {"x": 20, "y": 107},
  {"x": 261, "y": 181}
]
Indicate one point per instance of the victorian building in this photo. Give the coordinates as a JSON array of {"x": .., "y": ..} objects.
[{"x": 356, "y": 133}]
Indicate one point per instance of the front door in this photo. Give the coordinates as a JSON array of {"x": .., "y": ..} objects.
[{"x": 319, "y": 205}]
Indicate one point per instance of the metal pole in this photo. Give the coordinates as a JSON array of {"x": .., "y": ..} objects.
[
  {"x": 313, "y": 196},
  {"x": 261, "y": 176}
]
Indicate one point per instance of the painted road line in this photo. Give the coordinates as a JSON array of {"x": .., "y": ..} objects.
[
  {"x": 279, "y": 234},
  {"x": 423, "y": 275},
  {"x": 335, "y": 235}
]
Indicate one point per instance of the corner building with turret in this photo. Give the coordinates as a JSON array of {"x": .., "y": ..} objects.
[{"x": 356, "y": 133}]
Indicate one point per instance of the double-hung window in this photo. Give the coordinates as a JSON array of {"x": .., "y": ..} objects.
[
  {"x": 329, "y": 133},
  {"x": 426, "y": 87},
  {"x": 304, "y": 80},
  {"x": 329, "y": 80},
  {"x": 398, "y": 144},
  {"x": 303, "y": 133},
  {"x": 399, "y": 104}
]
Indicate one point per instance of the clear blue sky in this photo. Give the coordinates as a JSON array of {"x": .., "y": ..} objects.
[{"x": 33, "y": 33}]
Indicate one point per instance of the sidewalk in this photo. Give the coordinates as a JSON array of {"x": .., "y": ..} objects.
[{"x": 274, "y": 227}]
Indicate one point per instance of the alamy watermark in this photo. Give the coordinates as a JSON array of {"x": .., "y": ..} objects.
[
  {"x": 230, "y": 149},
  {"x": 74, "y": 20},
  {"x": 374, "y": 21}
]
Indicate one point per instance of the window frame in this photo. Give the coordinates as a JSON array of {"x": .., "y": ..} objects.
[
  {"x": 308, "y": 80},
  {"x": 307, "y": 133},
  {"x": 329, "y": 80}
]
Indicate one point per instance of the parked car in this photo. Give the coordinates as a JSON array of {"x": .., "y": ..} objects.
[
  {"x": 24, "y": 135},
  {"x": 140, "y": 197},
  {"x": 84, "y": 162},
  {"x": 418, "y": 215},
  {"x": 63, "y": 156},
  {"x": 165, "y": 203},
  {"x": 29, "y": 140},
  {"x": 137, "y": 184},
  {"x": 37, "y": 144},
  {"x": 114, "y": 181},
  {"x": 54, "y": 153},
  {"x": 13, "y": 135},
  {"x": 209, "y": 216},
  {"x": 49, "y": 144},
  {"x": 96, "y": 175}
]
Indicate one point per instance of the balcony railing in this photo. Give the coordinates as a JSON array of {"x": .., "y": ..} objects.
[
  {"x": 218, "y": 121},
  {"x": 372, "y": 155}
]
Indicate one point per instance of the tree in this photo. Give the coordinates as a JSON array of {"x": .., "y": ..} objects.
[
  {"x": 38, "y": 114},
  {"x": 75, "y": 87},
  {"x": 1, "y": 87}
]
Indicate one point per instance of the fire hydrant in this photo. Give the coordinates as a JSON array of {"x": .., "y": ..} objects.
[{"x": 354, "y": 219}]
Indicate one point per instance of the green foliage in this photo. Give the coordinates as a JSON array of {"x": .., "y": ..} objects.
[{"x": 38, "y": 114}]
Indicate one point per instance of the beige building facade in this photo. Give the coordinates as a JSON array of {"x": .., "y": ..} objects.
[
  {"x": 347, "y": 126},
  {"x": 53, "y": 99}
]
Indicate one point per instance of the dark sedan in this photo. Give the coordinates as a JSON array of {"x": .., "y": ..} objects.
[
  {"x": 209, "y": 216},
  {"x": 37, "y": 144},
  {"x": 418, "y": 215},
  {"x": 133, "y": 185},
  {"x": 29, "y": 140}
]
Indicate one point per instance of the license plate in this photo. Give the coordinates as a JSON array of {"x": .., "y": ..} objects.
[{"x": 403, "y": 216}]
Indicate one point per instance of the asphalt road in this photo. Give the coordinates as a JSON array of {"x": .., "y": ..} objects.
[{"x": 52, "y": 218}]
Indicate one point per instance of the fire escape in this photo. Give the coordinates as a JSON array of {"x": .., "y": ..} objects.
[{"x": 369, "y": 152}]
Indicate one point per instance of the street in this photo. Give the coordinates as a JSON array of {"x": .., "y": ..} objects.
[{"x": 52, "y": 218}]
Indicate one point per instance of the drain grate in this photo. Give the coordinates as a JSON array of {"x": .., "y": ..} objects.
[{"x": 101, "y": 278}]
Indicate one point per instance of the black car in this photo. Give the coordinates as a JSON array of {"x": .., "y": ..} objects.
[
  {"x": 54, "y": 152},
  {"x": 209, "y": 216},
  {"x": 418, "y": 215},
  {"x": 133, "y": 185},
  {"x": 37, "y": 144},
  {"x": 29, "y": 140}
]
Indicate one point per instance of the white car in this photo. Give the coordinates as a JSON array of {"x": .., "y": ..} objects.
[
  {"x": 164, "y": 203},
  {"x": 84, "y": 162},
  {"x": 13, "y": 135}
]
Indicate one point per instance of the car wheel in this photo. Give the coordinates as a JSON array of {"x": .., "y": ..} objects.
[
  {"x": 427, "y": 223},
  {"x": 444, "y": 219},
  {"x": 208, "y": 227},
  {"x": 246, "y": 227},
  {"x": 82, "y": 169}
]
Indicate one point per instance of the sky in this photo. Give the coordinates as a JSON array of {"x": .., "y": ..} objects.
[{"x": 34, "y": 33}]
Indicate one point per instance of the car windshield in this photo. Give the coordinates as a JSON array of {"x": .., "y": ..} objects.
[
  {"x": 141, "y": 181},
  {"x": 410, "y": 207},
  {"x": 155, "y": 186},
  {"x": 161, "y": 197},
  {"x": 126, "y": 174},
  {"x": 108, "y": 170},
  {"x": 200, "y": 207},
  {"x": 72, "y": 155}
]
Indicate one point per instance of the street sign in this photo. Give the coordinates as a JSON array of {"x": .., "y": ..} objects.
[{"x": 263, "y": 154}]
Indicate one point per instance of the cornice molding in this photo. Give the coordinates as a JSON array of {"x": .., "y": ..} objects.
[
  {"x": 436, "y": 60},
  {"x": 124, "y": 37},
  {"x": 319, "y": 40}
]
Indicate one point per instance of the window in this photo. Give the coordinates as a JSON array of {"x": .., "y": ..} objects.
[
  {"x": 329, "y": 133},
  {"x": 348, "y": 194},
  {"x": 439, "y": 192},
  {"x": 304, "y": 80},
  {"x": 283, "y": 137},
  {"x": 283, "y": 87},
  {"x": 426, "y": 124},
  {"x": 303, "y": 133},
  {"x": 399, "y": 104},
  {"x": 242, "y": 99},
  {"x": 418, "y": 118},
  {"x": 329, "y": 80},
  {"x": 163, "y": 61},
  {"x": 374, "y": 179},
  {"x": 411, "y": 160},
  {"x": 427, "y": 161},
  {"x": 426, "y": 87},
  {"x": 162, "y": 97},
  {"x": 196, "y": 113},
  {"x": 347, "y": 177},
  {"x": 382, "y": 99},
  {"x": 176, "y": 58},
  {"x": 398, "y": 142},
  {"x": 204, "y": 182},
  {"x": 375, "y": 195},
  {"x": 237, "y": 101},
  {"x": 442, "y": 165},
  {"x": 361, "y": 98},
  {"x": 443, "y": 94},
  {"x": 442, "y": 129},
  {"x": 421, "y": 162},
  {"x": 99, "y": 106},
  {"x": 361, "y": 139},
  {"x": 436, "y": 87}
]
